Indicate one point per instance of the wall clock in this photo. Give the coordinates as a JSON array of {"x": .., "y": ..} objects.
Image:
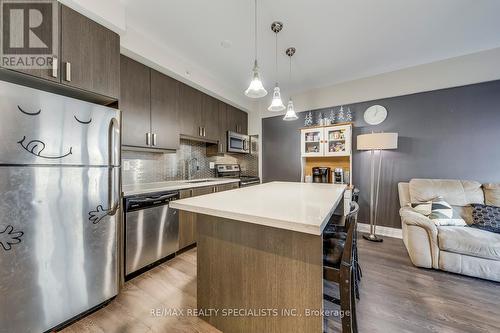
[{"x": 375, "y": 114}]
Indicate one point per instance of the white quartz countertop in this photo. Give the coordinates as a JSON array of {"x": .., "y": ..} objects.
[
  {"x": 135, "y": 189},
  {"x": 302, "y": 207}
]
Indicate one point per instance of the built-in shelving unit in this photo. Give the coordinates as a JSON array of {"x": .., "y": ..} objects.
[{"x": 327, "y": 146}]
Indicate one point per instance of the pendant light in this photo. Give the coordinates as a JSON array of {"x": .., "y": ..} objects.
[
  {"x": 277, "y": 103},
  {"x": 290, "y": 110},
  {"x": 255, "y": 89}
]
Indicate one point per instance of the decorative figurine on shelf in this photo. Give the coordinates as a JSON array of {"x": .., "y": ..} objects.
[
  {"x": 320, "y": 120},
  {"x": 309, "y": 119},
  {"x": 341, "y": 115},
  {"x": 348, "y": 115},
  {"x": 332, "y": 117}
]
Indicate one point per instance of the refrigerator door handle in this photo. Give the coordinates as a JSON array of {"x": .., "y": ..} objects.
[
  {"x": 113, "y": 190},
  {"x": 113, "y": 167}
]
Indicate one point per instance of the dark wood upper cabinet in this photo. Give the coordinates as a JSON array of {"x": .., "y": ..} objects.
[
  {"x": 135, "y": 102},
  {"x": 85, "y": 60},
  {"x": 244, "y": 122},
  {"x": 237, "y": 120},
  {"x": 190, "y": 101},
  {"x": 210, "y": 118},
  {"x": 164, "y": 111},
  {"x": 223, "y": 127},
  {"x": 90, "y": 55}
]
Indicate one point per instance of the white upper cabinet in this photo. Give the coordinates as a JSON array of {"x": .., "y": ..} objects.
[{"x": 326, "y": 141}]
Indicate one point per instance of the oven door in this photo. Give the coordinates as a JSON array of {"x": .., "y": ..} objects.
[{"x": 237, "y": 143}]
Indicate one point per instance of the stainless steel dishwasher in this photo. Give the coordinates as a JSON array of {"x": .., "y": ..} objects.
[{"x": 151, "y": 229}]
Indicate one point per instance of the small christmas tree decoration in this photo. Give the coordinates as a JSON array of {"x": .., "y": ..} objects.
[
  {"x": 348, "y": 115},
  {"x": 319, "y": 121},
  {"x": 341, "y": 115},
  {"x": 309, "y": 119},
  {"x": 332, "y": 116}
]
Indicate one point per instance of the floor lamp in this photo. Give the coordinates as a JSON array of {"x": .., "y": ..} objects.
[{"x": 373, "y": 142}]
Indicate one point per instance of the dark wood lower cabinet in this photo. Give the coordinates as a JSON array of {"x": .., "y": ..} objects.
[
  {"x": 187, "y": 227},
  {"x": 187, "y": 220},
  {"x": 227, "y": 187}
]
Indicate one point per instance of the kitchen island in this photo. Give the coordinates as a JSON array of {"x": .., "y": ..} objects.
[{"x": 260, "y": 261}]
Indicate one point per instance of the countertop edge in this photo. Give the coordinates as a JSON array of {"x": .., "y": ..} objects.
[
  {"x": 264, "y": 221},
  {"x": 179, "y": 187}
]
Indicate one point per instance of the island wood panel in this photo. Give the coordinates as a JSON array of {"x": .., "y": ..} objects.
[{"x": 248, "y": 266}]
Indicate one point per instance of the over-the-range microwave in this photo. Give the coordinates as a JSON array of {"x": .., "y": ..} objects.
[{"x": 238, "y": 143}]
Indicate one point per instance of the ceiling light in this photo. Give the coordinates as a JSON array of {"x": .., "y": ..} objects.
[
  {"x": 290, "y": 110},
  {"x": 277, "y": 103},
  {"x": 256, "y": 89}
]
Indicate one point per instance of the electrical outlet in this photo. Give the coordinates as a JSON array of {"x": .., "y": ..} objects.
[{"x": 211, "y": 165}]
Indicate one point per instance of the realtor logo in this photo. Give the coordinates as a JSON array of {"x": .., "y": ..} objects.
[{"x": 29, "y": 33}]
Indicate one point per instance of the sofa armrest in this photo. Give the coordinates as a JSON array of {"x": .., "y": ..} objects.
[{"x": 412, "y": 218}]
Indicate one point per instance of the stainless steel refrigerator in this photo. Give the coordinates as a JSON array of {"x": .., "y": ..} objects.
[{"x": 59, "y": 207}]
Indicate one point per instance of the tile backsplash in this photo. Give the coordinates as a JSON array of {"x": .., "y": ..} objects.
[{"x": 145, "y": 167}]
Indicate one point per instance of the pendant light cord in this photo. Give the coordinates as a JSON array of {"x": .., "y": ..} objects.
[
  {"x": 276, "y": 53},
  {"x": 255, "y": 27}
]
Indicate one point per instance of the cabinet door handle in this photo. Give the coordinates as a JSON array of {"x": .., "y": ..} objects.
[
  {"x": 199, "y": 130},
  {"x": 55, "y": 65},
  {"x": 204, "y": 131},
  {"x": 154, "y": 139},
  {"x": 221, "y": 148},
  {"x": 148, "y": 139},
  {"x": 68, "y": 72}
]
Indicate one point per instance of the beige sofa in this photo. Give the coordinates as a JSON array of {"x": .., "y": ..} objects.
[{"x": 457, "y": 249}]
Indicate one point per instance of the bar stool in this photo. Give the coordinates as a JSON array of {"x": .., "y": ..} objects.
[
  {"x": 338, "y": 267},
  {"x": 333, "y": 229}
]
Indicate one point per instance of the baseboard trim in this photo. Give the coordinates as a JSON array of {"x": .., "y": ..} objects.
[{"x": 382, "y": 231}]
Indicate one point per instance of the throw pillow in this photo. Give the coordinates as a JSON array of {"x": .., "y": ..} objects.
[
  {"x": 423, "y": 208},
  {"x": 492, "y": 194},
  {"x": 443, "y": 214},
  {"x": 486, "y": 217}
]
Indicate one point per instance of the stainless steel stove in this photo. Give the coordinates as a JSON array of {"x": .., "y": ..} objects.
[{"x": 234, "y": 171}]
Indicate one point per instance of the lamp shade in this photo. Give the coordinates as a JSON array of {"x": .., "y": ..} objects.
[{"x": 377, "y": 141}]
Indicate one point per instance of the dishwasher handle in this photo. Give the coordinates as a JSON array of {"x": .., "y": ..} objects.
[{"x": 150, "y": 201}]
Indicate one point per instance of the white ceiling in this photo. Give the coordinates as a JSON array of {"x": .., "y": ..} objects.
[{"x": 336, "y": 40}]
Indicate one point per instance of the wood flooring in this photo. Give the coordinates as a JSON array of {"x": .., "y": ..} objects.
[{"x": 395, "y": 297}]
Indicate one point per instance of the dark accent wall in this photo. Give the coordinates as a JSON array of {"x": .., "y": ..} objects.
[{"x": 449, "y": 133}]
